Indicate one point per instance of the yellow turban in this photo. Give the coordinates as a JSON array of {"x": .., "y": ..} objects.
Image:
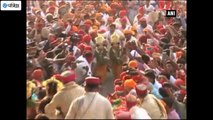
[
  {"x": 99, "y": 39},
  {"x": 114, "y": 38},
  {"x": 129, "y": 32}
]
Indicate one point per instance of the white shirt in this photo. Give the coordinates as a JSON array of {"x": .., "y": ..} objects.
[
  {"x": 81, "y": 71},
  {"x": 146, "y": 67},
  {"x": 157, "y": 85},
  {"x": 156, "y": 71},
  {"x": 99, "y": 107},
  {"x": 67, "y": 29},
  {"x": 105, "y": 17},
  {"x": 84, "y": 63},
  {"x": 149, "y": 8},
  {"x": 134, "y": 53},
  {"x": 172, "y": 79},
  {"x": 43, "y": 15},
  {"x": 139, "y": 113}
]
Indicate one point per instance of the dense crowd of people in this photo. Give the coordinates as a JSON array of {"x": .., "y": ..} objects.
[{"x": 72, "y": 45}]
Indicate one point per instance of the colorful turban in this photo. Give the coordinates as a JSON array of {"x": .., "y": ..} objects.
[
  {"x": 130, "y": 83},
  {"x": 118, "y": 88},
  {"x": 179, "y": 54},
  {"x": 117, "y": 81},
  {"x": 133, "y": 64},
  {"x": 162, "y": 30},
  {"x": 50, "y": 10},
  {"x": 128, "y": 32},
  {"x": 99, "y": 39},
  {"x": 122, "y": 13},
  {"x": 122, "y": 75},
  {"x": 89, "y": 22},
  {"x": 87, "y": 38},
  {"x": 68, "y": 76},
  {"x": 102, "y": 31},
  {"x": 114, "y": 38},
  {"x": 180, "y": 82},
  {"x": 141, "y": 10},
  {"x": 37, "y": 74},
  {"x": 92, "y": 81},
  {"x": 87, "y": 49},
  {"x": 141, "y": 89},
  {"x": 123, "y": 20}
]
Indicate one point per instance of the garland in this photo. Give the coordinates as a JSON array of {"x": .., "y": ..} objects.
[
  {"x": 53, "y": 79},
  {"x": 30, "y": 86}
]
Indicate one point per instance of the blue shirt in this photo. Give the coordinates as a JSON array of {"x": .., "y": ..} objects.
[
  {"x": 155, "y": 92},
  {"x": 157, "y": 85}
]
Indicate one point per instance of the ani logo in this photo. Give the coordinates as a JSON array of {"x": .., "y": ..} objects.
[{"x": 170, "y": 13}]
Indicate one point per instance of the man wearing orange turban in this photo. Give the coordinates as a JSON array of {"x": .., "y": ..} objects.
[
  {"x": 129, "y": 86},
  {"x": 133, "y": 64},
  {"x": 130, "y": 41}
]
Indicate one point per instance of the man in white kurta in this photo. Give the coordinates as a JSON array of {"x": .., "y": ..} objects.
[
  {"x": 84, "y": 67},
  {"x": 139, "y": 113},
  {"x": 135, "y": 111},
  {"x": 91, "y": 105},
  {"x": 64, "y": 97},
  {"x": 150, "y": 103}
]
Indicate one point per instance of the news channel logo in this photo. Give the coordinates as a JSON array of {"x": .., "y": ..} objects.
[
  {"x": 10, "y": 5},
  {"x": 170, "y": 13}
]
